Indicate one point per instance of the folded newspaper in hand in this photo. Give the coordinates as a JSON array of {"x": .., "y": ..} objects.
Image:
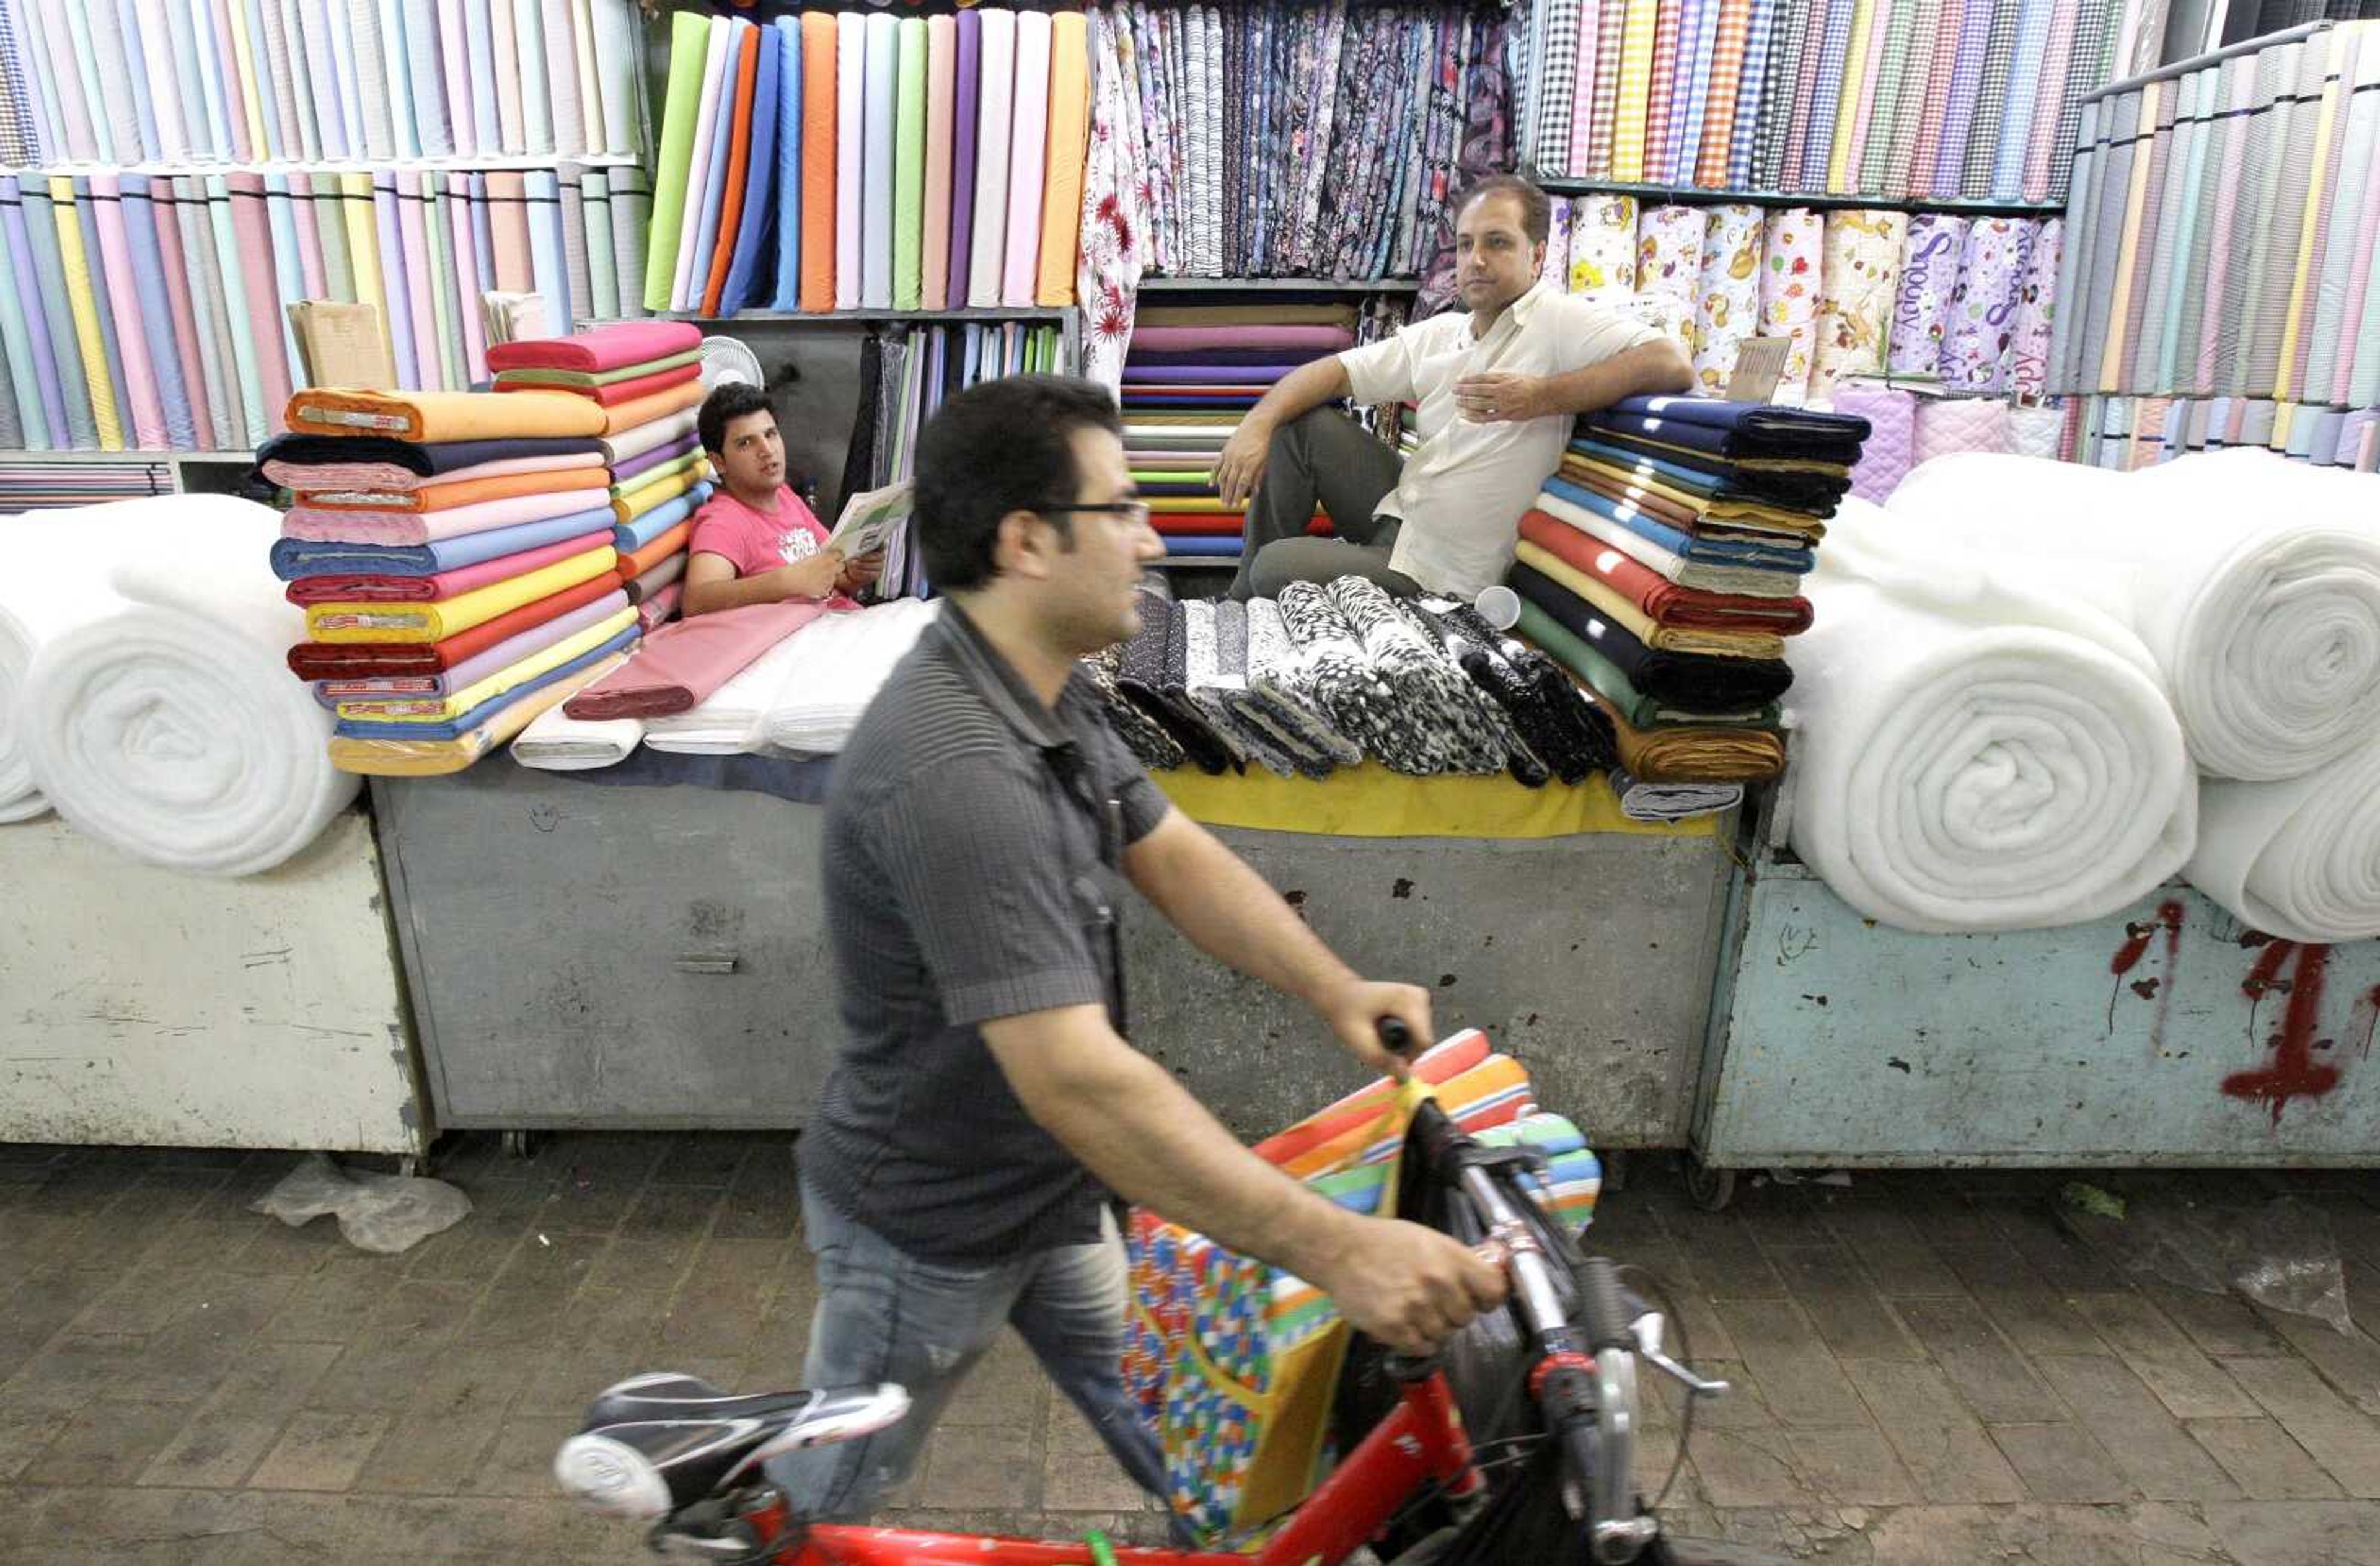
[{"x": 871, "y": 521}]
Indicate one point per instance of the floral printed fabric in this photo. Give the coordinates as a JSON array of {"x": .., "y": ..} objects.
[
  {"x": 1790, "y": 257},
  {"x": 1727, "y": 297},
  {"x": 1116, "y": 191}
]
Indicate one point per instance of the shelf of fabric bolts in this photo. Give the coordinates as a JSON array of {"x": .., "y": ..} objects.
[
  {"x": 126, "y": 458},
  {"x": 1692, "y": 195},
  {"x": 748, "y": 317},
  {"x": 1277, "y": 286},
  {"x": 526, "y": 162}
]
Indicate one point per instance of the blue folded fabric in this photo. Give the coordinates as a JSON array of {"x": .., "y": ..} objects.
[
  {"x": 1763, "y": 419},
  {"x": 1682, "y": 544},
  {"x": 1740, "y": 444},
  {"x": 630, "y": 536},
  {"x": 1225, "y": 544},
  {"x": 293, "y": 558},
  {"x": 788, "y": 294},
  {"x": 759, "y": 178},
  {"x": 461, "y": 726}
]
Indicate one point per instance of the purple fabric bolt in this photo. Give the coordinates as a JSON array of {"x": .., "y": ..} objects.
[{"x": 962, "y": 152}]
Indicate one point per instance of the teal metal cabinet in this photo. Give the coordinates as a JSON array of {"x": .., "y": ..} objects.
[{"x": 2166, "y": 1034}]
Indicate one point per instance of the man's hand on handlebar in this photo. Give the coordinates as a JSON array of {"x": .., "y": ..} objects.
[
  {"x": 1409, "y": 1286},
  {"x": 1357, "y": 1011}
]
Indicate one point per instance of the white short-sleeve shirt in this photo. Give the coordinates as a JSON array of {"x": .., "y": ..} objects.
[{"x": 1464, "y": 493}]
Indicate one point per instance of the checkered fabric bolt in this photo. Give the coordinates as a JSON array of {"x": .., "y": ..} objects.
[
  {"x": 1610, "y": 28},
  {"x": 21, "y": 139},
  {"x": 1636, "y": 73},
  {"x": 1834, "y": 55},
  {"x": 1780, "y": 100},
  {"x": 1966, "y": 80},
  {"x": 1722, "y": 123},
  {"x": 1557, "y": 83},
  {"x": 1582, "y": 105},
  {"x": 1665, "y": 84},
  {"x": 1918, "y": 178},
  {"x": 1750, "y": 126},
  {"x": 1910, "y": 107},
  {"x": 1868, "y": 162},
  {"x": 2086, "y": 71},
  {"x": 2023, "y": 100},
  {"x": 2050, "y": 105},
  {"x": 1991, "y": 98}
]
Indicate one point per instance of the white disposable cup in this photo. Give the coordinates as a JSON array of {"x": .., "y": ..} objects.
[{"x": 1499, "y": 606}]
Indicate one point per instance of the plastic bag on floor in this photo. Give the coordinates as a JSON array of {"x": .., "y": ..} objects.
[
  {"x": 383, "y": 1213},
  {"x": 2279, "y": 1254}
]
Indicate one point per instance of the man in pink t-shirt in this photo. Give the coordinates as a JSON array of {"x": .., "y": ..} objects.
[{"x": 754, "y": 541}]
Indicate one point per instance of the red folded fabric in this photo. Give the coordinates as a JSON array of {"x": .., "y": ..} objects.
[
  {"x": 326, "y": 661},
  {"x": 599, "y": 349},
  {"x": 618, "y": 392},
  {"x": 1199, "y": 522},
  {"x": 1663, "y": 602},
  {"x": 442, "y": 585},
  {"x": 681, "y": 664}
]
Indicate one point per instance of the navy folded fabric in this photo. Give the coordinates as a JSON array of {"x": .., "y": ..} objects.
[
  {"x": 293, "y": 558},
  {"x": 1736, "y": 445},
  {"x": 1682, "y": 679},
  {"x": 445, "y": 456},
  {"x": 1765, "y": 421},
  {"x": 461, "y": 726},
  {"x": 1283, "y": 359},
  {"x": 1685, "y": 545},
  {"x": 1717, "y": 478}
]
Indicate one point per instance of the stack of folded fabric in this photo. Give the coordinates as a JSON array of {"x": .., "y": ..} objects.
[
  {"x": 454, "y": 554},
  {"x": 647, "y": 377},
  {"x": 1189, "y": 377},
  {"x": 1662, "y": 565}
]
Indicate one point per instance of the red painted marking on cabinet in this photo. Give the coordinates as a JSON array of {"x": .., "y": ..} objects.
[{"x": 2292, "y": 1073}]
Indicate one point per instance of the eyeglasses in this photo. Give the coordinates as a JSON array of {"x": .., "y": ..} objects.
[{"x": 1133, "y": 510}]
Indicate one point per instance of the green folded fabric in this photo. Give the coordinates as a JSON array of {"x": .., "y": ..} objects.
[
  {"x": 909, "y": 169},
  {"x": 601, "y": 378},
  {"x": 689, "y": 48},
  {"x": 653, "y": 476},
  {"x": 602, "y": 263},
  {"x": 1604, "y": 677}
]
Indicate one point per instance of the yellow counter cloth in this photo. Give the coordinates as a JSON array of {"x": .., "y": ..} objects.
[{"x": 1371, "y": 801}]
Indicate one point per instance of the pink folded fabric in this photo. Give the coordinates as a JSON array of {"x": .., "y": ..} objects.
[
  {"x": 659, "y": 607},
  {"x": 600, "y": 349},
  {"x": 444, "y": 585},
  {"x": 680, "y": 666},
  {"x": 1165, "y": 339},
  {"x": 426, "y": 527},
  {"x": 389, "y": 476}
]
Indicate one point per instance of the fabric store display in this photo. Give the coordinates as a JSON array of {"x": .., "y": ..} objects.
[
  {"x": 153, "y": 712},
  {"x": 1996, "y": 681},
  {"x": 435, "y": 754},
  {"x": 1906, "y": 98},
  {"x": 2254, "y": 582}
]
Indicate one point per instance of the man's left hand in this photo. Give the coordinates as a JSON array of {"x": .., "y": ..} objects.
[
  {"x": 1500, "y": 398},
  {"x": 860, "y": 573},
  {"x": 1354, "y": 1009}
]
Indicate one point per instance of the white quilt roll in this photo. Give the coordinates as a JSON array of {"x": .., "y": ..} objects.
[
  {"x": 171, "y": 727},
  {"x": 2299, "y": 858},
  {"x": 2254, "y": 580},
  {"x": 1975, "y": 752}
]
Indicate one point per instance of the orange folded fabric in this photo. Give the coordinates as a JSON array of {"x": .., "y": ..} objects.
[
  {"x": 739, "y": 163},
  {"x": 464, "y": 415},
  {"x": 632, "y": 566},
  {"x": 1663, "y": 602},
  {"x": 468, "y": 491},
  {"x": 620, "y": 417},
  {"x": 618, "y": 392},
  {"x": 818, "y": 159}
]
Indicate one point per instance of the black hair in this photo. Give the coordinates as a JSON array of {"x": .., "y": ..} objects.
[
  {"x": 999, "y": 446},
  {"x": 1536, "y": 208},
  {"x": 728, "y": 401}
]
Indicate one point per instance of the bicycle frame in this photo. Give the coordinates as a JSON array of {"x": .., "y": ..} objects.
[{"x": 1421, "y": 1443}]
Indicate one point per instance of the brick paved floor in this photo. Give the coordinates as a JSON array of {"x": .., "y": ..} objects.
[{"x": 1928, "y": 1370}]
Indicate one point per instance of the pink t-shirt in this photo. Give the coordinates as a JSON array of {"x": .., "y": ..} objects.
[{"x": 752, "y": 542}]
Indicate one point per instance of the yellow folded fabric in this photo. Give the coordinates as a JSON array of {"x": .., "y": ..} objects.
[
  {"x": 1688, "y": 755},
  {"x": 648, "y": 497},
  {"x": 382, "y": 622},
  {"x": 438, "y": 758},
  {"x": 1636, "y": 483},
  {"x": 444, "y": 415},
  {"x": 1762, "y": 645},
  {"x": 693, "y": 462},
  {"x": 1192, "y": 505},
  {"x": 1371, "y": 801},
  {"x": 434, "y": 709},
  {"x": 82, "y": 303},
  {"x": 1069, "y": 133}
]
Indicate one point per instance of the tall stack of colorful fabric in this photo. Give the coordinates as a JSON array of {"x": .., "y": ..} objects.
[
  {"x": 647, "y": 376},
  {"x": 1189, "y": 377},
  {"x": 869, "y": 160},
  {"x": 1662, "y": 567},
  {"x": 319, "y": 81},
  {"x": 1897, "y": 99},
  {"x": 2217, "y": 288},
  {"x": 143, "y": 312},
  {"x": 454, "y": 554}
]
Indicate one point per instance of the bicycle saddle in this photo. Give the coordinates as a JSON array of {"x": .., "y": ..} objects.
[{"x": 654, "y": 1444}]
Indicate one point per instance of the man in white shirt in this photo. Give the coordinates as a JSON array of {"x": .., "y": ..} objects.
[{"x": 1496, "y": 384}]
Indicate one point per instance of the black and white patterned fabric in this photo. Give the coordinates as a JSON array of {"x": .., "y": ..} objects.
[
  {"x": 1356, "y": 698},
  {"x": 1149, "y": 741},
  {"x": 1520, "y": 759},
  {"x": 1442, "y": 723},
  {"x": 1141, "y": 676},
  {"x": 1473, "y": 646},
  {"x": 1277, "y": 676},
  {"x": 1217, "y": 695}
]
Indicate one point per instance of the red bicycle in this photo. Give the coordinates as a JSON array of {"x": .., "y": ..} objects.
[{"x": 1516, "y": 1444}]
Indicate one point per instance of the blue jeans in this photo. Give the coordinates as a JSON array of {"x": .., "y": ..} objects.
[{"x": 884, "y": 1315}]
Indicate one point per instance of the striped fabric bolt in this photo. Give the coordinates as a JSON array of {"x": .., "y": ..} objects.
[
  {"x": 1665, "y": 85},
  {"x": 2086, "y": 71},
  {"x": 20, "y": 140},
  {"x": 1557, "y": 83},
  {"x": 1722, "y": 123},
  {"x": 1750, "y": 128},
  {"x": 1991, "y": 97},
  {"x": 1610, "y": 28}
]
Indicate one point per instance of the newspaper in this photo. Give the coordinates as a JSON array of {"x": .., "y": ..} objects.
[{"x": 871, "y": 521}]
